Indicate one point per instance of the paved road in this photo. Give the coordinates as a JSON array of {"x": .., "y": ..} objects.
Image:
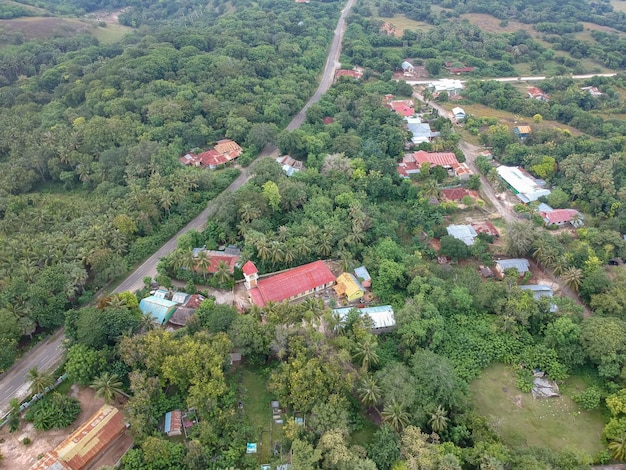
[
  {"x": 332, "y": 65},
  {"x": 48, "y": 354},
  {"x": 535, "y": 78}
]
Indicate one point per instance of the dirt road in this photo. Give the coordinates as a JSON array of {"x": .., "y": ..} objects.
[{"x": 49, "y": 354}]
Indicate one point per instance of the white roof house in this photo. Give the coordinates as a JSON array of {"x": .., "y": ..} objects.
[
  {"x": 383, "y": 318},
  {"x": 452, "y": 86},
  {"x": 289, "y": 164},
  {"x": 539, "y": 291},
  {"x": 407, "y": 66},
  {"x": 465, "y": 233},
  {"x": 525, "y": 187},
  {"x": 458, "y": 113}
]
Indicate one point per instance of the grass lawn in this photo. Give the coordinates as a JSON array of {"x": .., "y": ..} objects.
[
  {"x": 256, "y": 408},
  {"x": 365, "y": 435},
  {"x": 555, "y": 423},
  {"x": 401, "y": 23},
  {"x": 113, "y": 32},
  {"x": 619, "y": 5}
]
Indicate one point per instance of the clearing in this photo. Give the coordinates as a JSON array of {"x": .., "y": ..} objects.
[
  {"x": 401, "y": 23},
  {"x": 256, "y": 401},
  {"x": 555, "y": 423}
]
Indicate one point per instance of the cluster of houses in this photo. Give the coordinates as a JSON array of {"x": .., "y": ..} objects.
[
  {"x": 412, "y": 164},
  {"x": 223, "y": 151},
  {"x": 289, "y": 164},
  {"x": 173, "y": 307}
]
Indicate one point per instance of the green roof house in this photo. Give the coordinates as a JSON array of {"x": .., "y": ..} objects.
[{"x": 159, "y": 309}]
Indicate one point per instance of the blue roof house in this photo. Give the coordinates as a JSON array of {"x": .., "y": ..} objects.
[{"x": 160, "y": 309}]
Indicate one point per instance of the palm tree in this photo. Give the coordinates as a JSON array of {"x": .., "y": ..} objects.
[
  {"x": 449, "y": 462},
  {"x": 365, "y": 352},
  {"x": 369, "y": 392},
  {"x": 439, "y": 420},
  {"x": 559, "y": 265},
  {"x": 618, "y": 447},
  {"x": 519, "y": 239},
  {"x": 572, "y": 277},
  {"x": 39, "y": 380},
  {"x": 108, "y": 386},
  {"x": 203, "y": 263},
  {"x": 301, "y": 245},
  {"x": 223, "y": 272},
  {"x": 148, "y": 323},
  {"x": 395, "y": 414},
  {"x": 545, "y": 252}
]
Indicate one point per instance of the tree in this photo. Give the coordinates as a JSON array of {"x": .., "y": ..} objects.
[
  {"x": 304, "y": 456},
  {"x": 369, "y": 392},
  {"x": 215, "y": 317},
  {"x": 439, "y": 420},
  {"x": 433, "y": 66},
  {"x": 108, "y": 386},
  {"x": 572, "y": 278},
  {"x": 83, "y": 364},
  {"x": 223, "y": 274},
  {"x": 454, "y": 248},
  {"x": 618, "y": 447},
  {"x": 519, "y": 238},
  {"x": 383, "y": 449},
  {"x": 39, "y": 380},
  {"x": 272, "y": 194},
  {"x": 395, "y": 415},
  {"x": 365, "y": 352}
]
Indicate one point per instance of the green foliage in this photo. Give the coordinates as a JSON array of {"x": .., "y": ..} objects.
[
  {"x": 588, "y": 399},
  {"x": 215, "y": 317},
  {"x": 83, "y": 364},
  {"x": 53, "y": 412}
]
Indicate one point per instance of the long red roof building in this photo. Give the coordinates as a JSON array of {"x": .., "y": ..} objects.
[{"x": 290, "y": 284}]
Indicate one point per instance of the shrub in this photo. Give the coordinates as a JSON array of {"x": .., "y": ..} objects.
[
  {"x": 26, "y": 441},
  {"x": 588, "y": 399},
  {"x": 53, "y": 412},
  {"x": 525, "y": 379}
]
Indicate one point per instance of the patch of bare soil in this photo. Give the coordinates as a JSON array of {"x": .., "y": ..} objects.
[{"x": 18, "y": 456}]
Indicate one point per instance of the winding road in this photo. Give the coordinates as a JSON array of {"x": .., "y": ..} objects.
[{"x": 48, "y": 354}]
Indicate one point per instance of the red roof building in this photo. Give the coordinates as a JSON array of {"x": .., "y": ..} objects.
[
  {"x": 249, "y": 268},
  {"x": 456, "y": 194},
  {"x": 461, "y": 69},
  {"x": 444, "y": 159},
  {"x": 537, "y": 94},
  {"x": 403, "y": 108},
  {"x": 486, "y": 227},
  {"x": 194, "y": 301},
  {"x": 80, "y": 449},
  {"x": 223, "y": 152},
  {"x": 562, "y": 217},
  {"x": 328, "y": 120},
  {"x": 215, "y": 257},
  {"x": 291, "y": 284},
  {"x": 408, "y": 166}
]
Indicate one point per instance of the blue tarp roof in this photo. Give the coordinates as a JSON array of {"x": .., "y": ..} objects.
[
  {"x": 168, "y": 422},
  {"x": 160, "y": 309}
]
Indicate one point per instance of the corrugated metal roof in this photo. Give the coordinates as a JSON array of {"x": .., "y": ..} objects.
[
  {"x": 382, "y": 316},
  {"x": 527, "y": 188},
  {"x": 522, "y": 265},
  {"x": 465, "y": 233},
  {"x": 161, "y": 309},
  {"x": 362, "y": 273},
  {"x": 348, "y": 285},
  {"x": 292, "y": 282},
  {"x": 436, "y": 158}
]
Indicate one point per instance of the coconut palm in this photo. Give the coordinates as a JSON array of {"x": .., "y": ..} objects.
[
  {"x": 439, "y": 419},
  {"x": 449, "y": 462},
  {"x": 365, "y": 352},
  {"x": 572, "y": 277},
  {"x": 108, "y": 386},
  {"x": 369, "y": 392},
  {"x": 545, "y": 252},
  {"x": 559, "y": 265},
  {"x": 222, "y": 273},
  {"x": 618, "y": 447},
  {"x": 519, "y": 238},
  {"x": 203, "y": 263},
  {"x": 395, "y": 414},
  {"x": 39, "y": 380},
  {"x": 148, "y": 323}
]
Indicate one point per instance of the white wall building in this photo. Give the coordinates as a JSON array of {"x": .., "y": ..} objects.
[{"x": 525, "y": 187}]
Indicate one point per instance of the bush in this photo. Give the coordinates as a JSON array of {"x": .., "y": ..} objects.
[
  {"x": 53, "y": 412},
  {"x": 26, "y": 441},
  {"x": 525, "y": 379},
  {"x": 588, "y": 399}
]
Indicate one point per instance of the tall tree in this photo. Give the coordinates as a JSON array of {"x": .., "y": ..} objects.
[
  {"x": 39, "y": 380},
  {"x": 108, "y": 386}
]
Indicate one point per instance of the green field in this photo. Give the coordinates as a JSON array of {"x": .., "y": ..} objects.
[
  {"x": 113, "y": 32},
  {"x": 256, "y": 408},
  {"x": 555, "y": 423}
]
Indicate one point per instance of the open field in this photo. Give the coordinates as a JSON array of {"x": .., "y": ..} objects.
[
  {"x": 401, "y": 23},
  {"x": 509, "y": 119},
  {"x": 556, "y": 423},
  {"x": 619, "y": 5},
  {"x": 50, "y": 27}
]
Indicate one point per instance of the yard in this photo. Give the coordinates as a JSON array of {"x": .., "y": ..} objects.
[
  {"x": 256, "y": 408},
  {"x": 555, "y": 423}
]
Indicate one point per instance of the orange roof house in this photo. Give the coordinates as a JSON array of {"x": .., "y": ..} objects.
[
  {"x": 287, "y": 285},
  {"x": 80, "y": 449},
  {"x": 223, "y": 152}
]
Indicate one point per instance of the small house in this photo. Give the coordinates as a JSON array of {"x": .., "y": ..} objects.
[
  {"x": 407, "y": 67},
  {"x": 349, "y": 287},
  {"x": 524, "y": 186},
  {"x": 465, "y": 233},
  {"x": 522, "y": 265},
  {"x": 173, "y": 423},
  {"x": 592, "y": 90},
  {"x": 180, "y": 297},
  {"x": 451, "y": 86},
  {"x": 458, "y": 113},
  {"x": 289, "y": 165},
  {"x": 561, "y": 217},
  {"x": 539, "y": 291},
  {"x": 363, "y": 276},
  {"x": 537, "y": 94},
  {"x": 522, "y": 131},
  {"x": 234, "y": 358}
]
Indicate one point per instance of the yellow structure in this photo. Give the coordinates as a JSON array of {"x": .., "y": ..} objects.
[{"x": 348, "y": 286}]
